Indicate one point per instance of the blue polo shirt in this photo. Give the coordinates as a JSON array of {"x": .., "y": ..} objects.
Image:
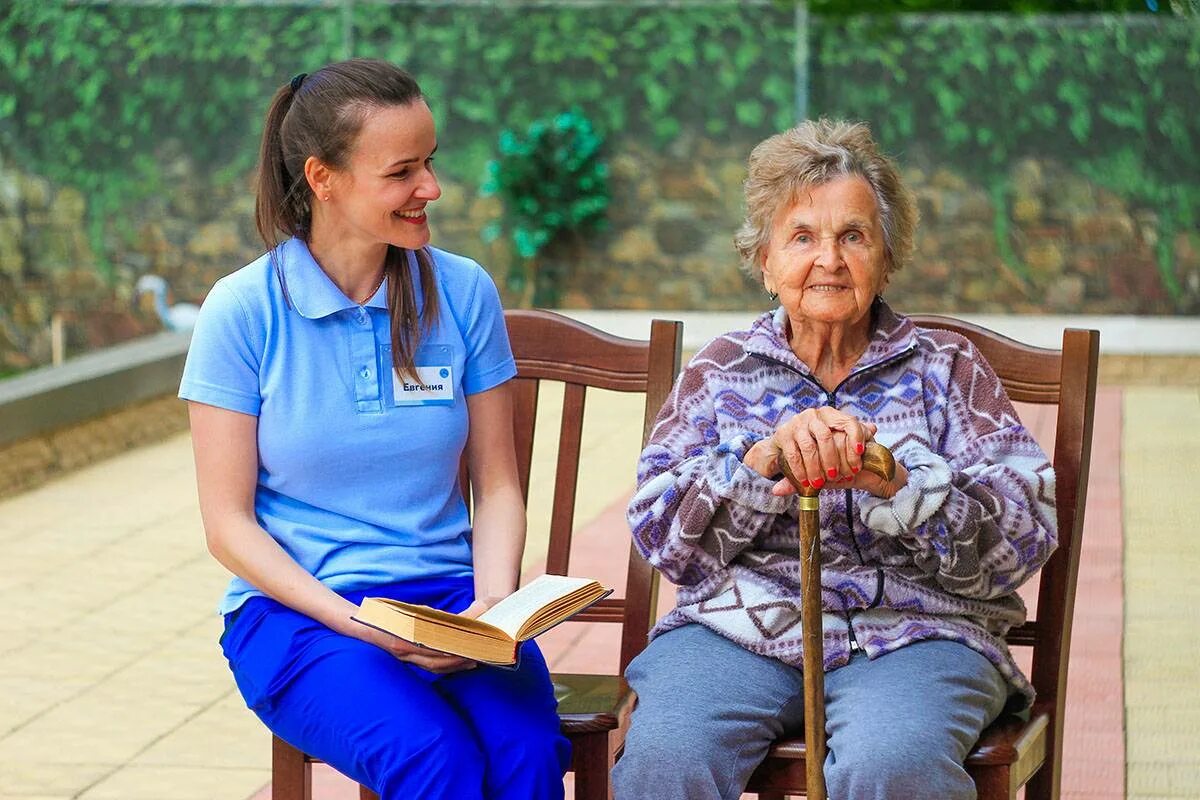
[{"x": 358, "y": 473}]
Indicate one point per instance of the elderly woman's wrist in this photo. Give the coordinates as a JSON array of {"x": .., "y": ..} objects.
[
  {"x": 758, "y": 455},
  {"x": 898, "y": 482},
  {"x": 740, "y": 446}
]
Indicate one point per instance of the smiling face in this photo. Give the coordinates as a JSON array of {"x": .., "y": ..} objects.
[
  {"x": 381, "y": 195},
  {"x": 825, "y": 258}
]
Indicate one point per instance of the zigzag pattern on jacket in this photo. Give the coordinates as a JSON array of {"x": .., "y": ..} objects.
[{"x": 940, "y": 560}]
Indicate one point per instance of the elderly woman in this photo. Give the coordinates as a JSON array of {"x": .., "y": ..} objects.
[{"x": 919, "y": 573}]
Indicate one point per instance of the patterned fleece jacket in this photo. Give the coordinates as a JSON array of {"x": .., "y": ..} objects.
[{"x": 940, "y": 560}]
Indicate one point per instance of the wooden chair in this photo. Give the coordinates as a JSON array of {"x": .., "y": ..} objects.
[
  {"x": 594, "y": 709},
  {"x": 1015, "y": 752}
]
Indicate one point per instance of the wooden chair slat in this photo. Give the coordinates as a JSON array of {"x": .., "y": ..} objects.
[{"x": 566, "y": 479}]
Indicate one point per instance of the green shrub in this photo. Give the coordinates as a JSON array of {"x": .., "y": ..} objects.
[{"x": 553, "y": 182}]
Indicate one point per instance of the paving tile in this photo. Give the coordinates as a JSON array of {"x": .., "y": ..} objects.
[
  {"x": 595, "y": 650},
  {"x": 225, "y": 735},
  {"x": 327, "y": 784},
  {"x": 70, "y": 658},
  {"x": 1146, "y": 663},
  {"x": 22, "y": 778},
  {"x": 137, "y": 782},
  {"x": 1168, "y": 778},
  {"x": 1166, "y": 743},
  {"x": 1093, "y": 741},
  {"x": 28, "y": 696},
  {"x": 1162, "y": 561},
  {"x": 139, "y": 692},
  {"x": 1184, "y": 694},
  {"x": 104, "y": 730}
]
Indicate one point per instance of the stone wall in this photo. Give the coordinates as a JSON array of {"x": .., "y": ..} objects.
[
  {"x": 1079, "y": 249},
  {"x": 1074, "y": 247}
]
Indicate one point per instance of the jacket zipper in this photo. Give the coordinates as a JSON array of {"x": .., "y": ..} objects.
[
  {"x": 905, "y": 353},
  {"x": 854, "y": 648},
  {"x": 832, "y": 400}
]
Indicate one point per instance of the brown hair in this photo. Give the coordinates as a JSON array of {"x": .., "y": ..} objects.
[
  {"x": 321, "y": 115},
  {"x": 812, "y": 154}
]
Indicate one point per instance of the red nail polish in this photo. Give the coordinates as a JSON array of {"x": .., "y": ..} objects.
[
  {"x": 855, "y": 470},
  {"x": 832, "y": 472},
  {"x": 858, "y": 448},
  {"x": 818, "y": 483},
  {"x": 804, "y": 483}
]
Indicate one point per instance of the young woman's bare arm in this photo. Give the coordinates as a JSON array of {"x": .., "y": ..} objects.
[
  {"x": 225, "y": 444},
  {"x": 499, "y": 518}
]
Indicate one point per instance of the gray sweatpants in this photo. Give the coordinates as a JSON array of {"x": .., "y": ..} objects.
[{"x": 899, "y": 726}]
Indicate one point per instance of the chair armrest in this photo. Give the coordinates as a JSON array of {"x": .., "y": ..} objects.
[
  {"x": 592, "y": 703},
  {"x": 1011, "y": 739}
]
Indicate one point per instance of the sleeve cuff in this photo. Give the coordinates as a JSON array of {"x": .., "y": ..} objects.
[
  {"x": 474, "y": 384},
  {"x": 198, "y": 392},
  {"x": 928, "y": 487},
  {"x": 732, "y": 480}
]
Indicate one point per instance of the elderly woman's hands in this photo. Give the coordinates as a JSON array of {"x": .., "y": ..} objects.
[{"x": 822, "y": 446}]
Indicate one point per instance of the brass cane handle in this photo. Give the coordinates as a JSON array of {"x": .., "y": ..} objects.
[{"x": 876, "y": 458}]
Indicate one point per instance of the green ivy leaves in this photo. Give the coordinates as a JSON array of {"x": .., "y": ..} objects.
[
  {"x": 91, "y": 94},
  {"x": 1113, "y": 98},
  {"x": 96, "y": 95}
]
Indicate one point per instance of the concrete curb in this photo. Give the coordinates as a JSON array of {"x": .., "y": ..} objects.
[{"x": 90, "y": 385}]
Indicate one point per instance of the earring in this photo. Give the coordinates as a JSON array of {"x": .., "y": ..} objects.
[{"x": 773, "y": 295}]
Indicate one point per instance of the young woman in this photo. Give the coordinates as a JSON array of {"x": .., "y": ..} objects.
[{"x": 333, "y": 386}]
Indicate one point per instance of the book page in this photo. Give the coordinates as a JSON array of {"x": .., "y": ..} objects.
[{"x": 510, "y": 613}]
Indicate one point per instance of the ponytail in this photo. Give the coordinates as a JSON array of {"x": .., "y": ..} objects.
[
  {"x": 283, "y": 200},
  {"x": 407, "y": 325}
]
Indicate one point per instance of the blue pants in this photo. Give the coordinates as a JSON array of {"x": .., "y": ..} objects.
[
  {"x": 899, "y": 726},
  {"x": 401, "y": 730}
]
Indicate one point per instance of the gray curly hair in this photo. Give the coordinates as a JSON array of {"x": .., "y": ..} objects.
[{"x": 813, "y": 154}]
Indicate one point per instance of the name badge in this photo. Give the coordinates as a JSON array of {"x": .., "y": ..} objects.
[{"x": 435, "y": 369}]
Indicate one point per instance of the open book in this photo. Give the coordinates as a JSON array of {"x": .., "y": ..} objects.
[{"x": 495, "y": 635}]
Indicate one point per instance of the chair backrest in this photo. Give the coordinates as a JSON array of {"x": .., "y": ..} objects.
[
  {"x": 552, "y": 347},
  {"x": 1066, "y": 378}
]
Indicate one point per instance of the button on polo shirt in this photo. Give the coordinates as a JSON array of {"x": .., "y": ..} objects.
[{"x": 359, "y": 490}]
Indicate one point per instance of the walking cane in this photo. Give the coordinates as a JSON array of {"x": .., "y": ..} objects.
[{"x": 877, "y": 459}]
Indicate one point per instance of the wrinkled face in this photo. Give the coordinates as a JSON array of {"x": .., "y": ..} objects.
[
  {"x": 381, "y": 195},
  {"x": 825, "y": 258}
]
